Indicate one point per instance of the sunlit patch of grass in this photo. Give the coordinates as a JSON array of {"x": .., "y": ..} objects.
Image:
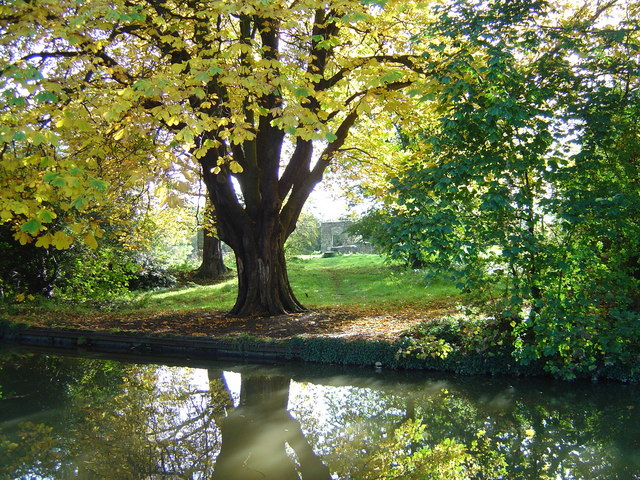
[
  {"x": 211, "y": 297},
  {"x": 348, "y": 280},
  {"x": 364, "y": 280}
]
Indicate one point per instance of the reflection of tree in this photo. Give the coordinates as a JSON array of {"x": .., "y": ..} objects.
[
  {"x": 39, "y": 388},
  {"x": 112, "y": 420},
  {"x": 159, "y": 424},
  {"x": 374, "y": 435},
  {"x": 256, "y": 434},
  {"x": 134, "y": 421}
]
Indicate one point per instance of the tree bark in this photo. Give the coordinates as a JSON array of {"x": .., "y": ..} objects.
[
  {"x": 263, "y": 283},
  {"x": 212, "y": 266}
]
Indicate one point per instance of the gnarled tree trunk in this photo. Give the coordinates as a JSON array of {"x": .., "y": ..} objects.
[
  {"x": 256, "y": 193},
  {"x": 263, "y": 283}
]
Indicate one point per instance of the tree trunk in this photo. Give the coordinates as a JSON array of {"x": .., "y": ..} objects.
[
  {"x": 212, "y": 266},
  {"x": 263, "y": 283}
]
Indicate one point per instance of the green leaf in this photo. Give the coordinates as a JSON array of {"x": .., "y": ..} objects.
[
  {"x": 46, "y": 216},
  {"x": 59, "y": 181},
  {"x": 391, "y": 76},
  {"x": 18, "y": 101},
  {"x": 47, "y": 97},
  {"x": 18, "y": 136},
  {"x": 203, "y": 77},
  {"x": 32, "y": 227},
  {"x": 79, "y": 203},
  {"x": 302, "y": 92},
  {"x": 99, "y": 185},
  {"x": 50, "y": 177}
]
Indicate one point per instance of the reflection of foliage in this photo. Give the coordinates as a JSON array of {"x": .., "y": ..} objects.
[
  {"x": 150, "y": 427},
  {"x": 35, "y": 451},
  {"x": 112, "y": 420},
  {"x": 128, "y": 422},
  {"x": 43, "y": 386},
  {"x": 371, "y": 435},
  {"x": 446, "y": 460},
  {"x": 481, "y": 433}
]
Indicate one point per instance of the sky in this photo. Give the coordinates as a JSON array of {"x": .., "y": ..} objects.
[{"x": 326, "y": 205}]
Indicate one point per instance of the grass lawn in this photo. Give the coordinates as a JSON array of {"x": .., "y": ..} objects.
[
  {"x": 343, "y": 281},
  {"x": 362, "y": 280},
  {"x": 351, "y": 281}
]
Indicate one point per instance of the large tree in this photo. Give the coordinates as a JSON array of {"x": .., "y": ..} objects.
[{"x": 261, "y": 93}]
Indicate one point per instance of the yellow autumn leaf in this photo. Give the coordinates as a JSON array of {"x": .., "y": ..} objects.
[
  {"x": 44, "y": 241},
  {"x": 119, "y": 134},
  {"x": 90, "y": 241},
  {"x": 97, "y": 231},
  {"x": 530, "y": 432},
  {"x": 235, "y": 167},
  {"x": 200, "y": 152},
  {"x": 364, "y": 107},
  {"x": 61, "y": 241},
  {"x": 177, "y": 67},
  {"x": 22, "y": 237}
]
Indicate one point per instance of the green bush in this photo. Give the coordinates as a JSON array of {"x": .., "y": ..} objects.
[{"x": 93, "y": 275}]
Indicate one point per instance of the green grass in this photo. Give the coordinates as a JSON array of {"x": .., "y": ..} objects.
[
  {"x": 349, "y": 280},
  {"x": 341, "y": 281},
  {"x": 220, "y": 296},
  {"x": 362, "y": 280}
]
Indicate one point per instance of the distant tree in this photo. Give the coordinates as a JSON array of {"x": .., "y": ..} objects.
[
  {"x": 306, "y": 237},
  {"x": 212, "y": 266}
]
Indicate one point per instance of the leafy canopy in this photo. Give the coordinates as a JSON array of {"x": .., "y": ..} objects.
[{"x": 101, "y": 94}]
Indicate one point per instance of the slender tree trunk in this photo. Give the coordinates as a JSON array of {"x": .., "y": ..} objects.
[{"x": 212, "y": 266}]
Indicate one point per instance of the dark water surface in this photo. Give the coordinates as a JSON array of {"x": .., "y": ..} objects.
[{"x": 98, "y": 418}]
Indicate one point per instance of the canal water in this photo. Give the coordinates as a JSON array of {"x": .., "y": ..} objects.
[{"x": 107, "y": 418}]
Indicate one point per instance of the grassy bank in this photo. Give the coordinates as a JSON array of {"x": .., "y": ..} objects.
[
  {"x": 368, "y": 312},
  {"x": 362, "y": 281}
]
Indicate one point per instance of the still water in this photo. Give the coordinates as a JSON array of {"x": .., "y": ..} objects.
[{"x": 99, "y": 418}]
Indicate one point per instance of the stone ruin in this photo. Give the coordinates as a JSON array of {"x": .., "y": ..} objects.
[{"x": 334, "y": 237}]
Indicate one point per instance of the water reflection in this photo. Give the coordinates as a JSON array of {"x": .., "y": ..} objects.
[
  {"x": 65, "y": 417},
  {"x": 260, "y": 438}
]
